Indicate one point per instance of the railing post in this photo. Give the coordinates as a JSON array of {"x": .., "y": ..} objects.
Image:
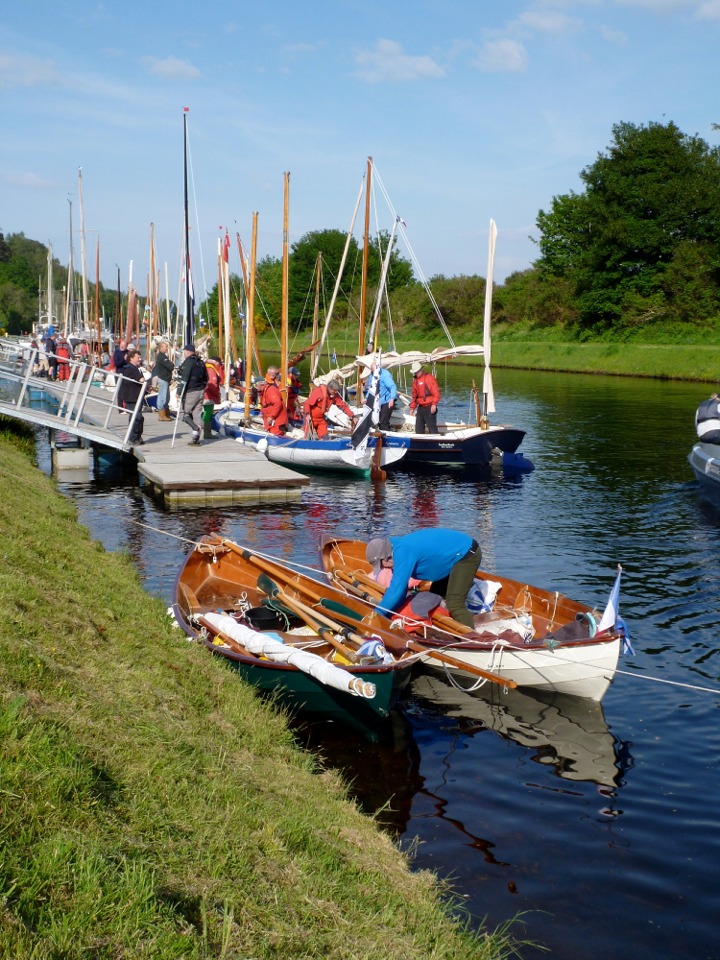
[
  {"x": 26, "y": 378},
  {"x": 86, "y": 391},
  {"x": 138, "y": 406}
]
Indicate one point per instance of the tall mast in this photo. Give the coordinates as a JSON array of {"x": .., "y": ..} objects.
[
  {"x": 316, "y": 310},
  {"x": 488, "y": 394},
  {"x": 363, "y": 285},
  {"x": 285, "y": 285},
  {"x": 189, "y": 302},
  {"x": 71, "y": 277},
  {"x": 49, "y": 285},
  {"x": 97, "y": 298},
  {"x": 224, "y": 341},
  {"x": 86, "y": 323},
  {"x": 250, "y": 320}
]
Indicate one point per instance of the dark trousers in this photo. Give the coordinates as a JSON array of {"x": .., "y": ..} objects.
[
  {"x": 385, "y": 414},
  {"x": 137, "y": 426},
  {"x": 425, "y": 420},
  {"x": 455, "y": 586}
]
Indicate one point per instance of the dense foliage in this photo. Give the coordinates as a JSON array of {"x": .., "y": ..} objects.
[
  {"x": 641, "y": 244},
  {"x": 23, "y": 285}
]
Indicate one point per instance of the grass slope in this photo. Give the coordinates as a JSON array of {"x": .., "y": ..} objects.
[{"x": 152, "y": 805}]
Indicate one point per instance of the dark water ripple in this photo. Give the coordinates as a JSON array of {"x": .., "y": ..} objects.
[{"x": 599, "y": 824}]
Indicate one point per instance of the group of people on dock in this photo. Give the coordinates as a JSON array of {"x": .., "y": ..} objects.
[
  {"x": 280, "y": 413},
  {"x": 200, "y": 383}
]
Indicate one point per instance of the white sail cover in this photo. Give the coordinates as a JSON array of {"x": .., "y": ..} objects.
[
  {"x": 266, "y": 645},
  {"x": 393, "y": 359}
]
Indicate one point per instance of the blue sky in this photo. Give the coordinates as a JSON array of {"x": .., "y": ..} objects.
[{"x": 471, "y": 109}]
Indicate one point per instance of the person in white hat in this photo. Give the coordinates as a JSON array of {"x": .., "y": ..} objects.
[{"x": 425, "y": 399}]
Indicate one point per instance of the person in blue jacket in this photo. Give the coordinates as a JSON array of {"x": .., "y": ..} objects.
[
  {"x": 448, "y": 558},
  {"x": 388, "y": 391}
]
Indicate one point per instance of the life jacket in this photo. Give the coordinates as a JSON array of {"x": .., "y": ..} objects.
[{"x": 707, "y": 420}]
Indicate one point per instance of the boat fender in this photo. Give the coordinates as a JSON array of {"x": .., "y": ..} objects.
[{"x": 589, "y": 619}]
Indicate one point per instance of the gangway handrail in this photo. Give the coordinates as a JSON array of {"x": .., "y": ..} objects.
[{"x": 74, "y": 399}]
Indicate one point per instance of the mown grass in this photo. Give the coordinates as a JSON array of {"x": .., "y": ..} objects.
[
  {"x": 152, "y": 805},
  {"x": 682, "y": 357}
]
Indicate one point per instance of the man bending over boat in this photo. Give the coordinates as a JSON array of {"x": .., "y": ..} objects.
[
  {"x": 317, "y": 405},
  {"x": 448, "y": 558}
]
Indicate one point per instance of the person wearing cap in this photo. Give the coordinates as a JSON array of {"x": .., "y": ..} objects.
[
  {"x": 448, "y": 558},
  {"x": 191, "y": 388},
  {"x": 424, "y": 400},
  {"x": 382, "y": 379},
  {"x": 272, "y": 404},
  {"x": 317, "y": 405}
]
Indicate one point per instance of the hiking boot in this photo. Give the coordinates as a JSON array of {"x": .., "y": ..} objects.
[{"x": 164, "y": 415}]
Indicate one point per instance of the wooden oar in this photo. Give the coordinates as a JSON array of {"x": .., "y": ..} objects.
[
  {"x": 389, "y": 637},
  {"x": 361, "y": 579},
  {"x": 435, "y": 654},
  {"x": 323, "y": 626}
]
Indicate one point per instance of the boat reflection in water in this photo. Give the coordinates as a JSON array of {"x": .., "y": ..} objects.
[
  {"x": 388, "y": 781},
  {"x": 569, "y": 734}
]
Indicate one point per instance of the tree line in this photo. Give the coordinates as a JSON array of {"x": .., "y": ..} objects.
[{"x": 637, "y": 251}]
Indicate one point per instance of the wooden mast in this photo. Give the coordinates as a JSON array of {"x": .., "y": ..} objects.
[
  {"x": 284, "y": 320},
  {"x": 316, "y": 311},
  {"x": 250, "y": 320}
]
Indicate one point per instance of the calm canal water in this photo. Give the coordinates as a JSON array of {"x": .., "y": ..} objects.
[{"x": 598, "y": 824}]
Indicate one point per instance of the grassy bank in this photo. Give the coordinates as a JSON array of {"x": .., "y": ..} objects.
[
  {"x": 152, "y": 805},
  {"x": 667, "y": 361}
]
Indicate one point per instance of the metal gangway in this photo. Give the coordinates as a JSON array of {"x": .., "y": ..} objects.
[{"x": 87, "y": 400}]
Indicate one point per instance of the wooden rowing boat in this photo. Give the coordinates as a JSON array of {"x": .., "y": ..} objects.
[
  {"x": 535, "y": 637},
  {"x": 265, "y": 599}
]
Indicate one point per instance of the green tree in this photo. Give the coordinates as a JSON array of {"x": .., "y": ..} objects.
[{"x": 650, "y": 213}]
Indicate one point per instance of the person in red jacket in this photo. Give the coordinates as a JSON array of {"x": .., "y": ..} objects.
[
  {"x": 318, "y": 404},
  {"x": 425, "y": 399},
  {"x": 63, "y": 359},
  {"x": 273, "y": 407}
]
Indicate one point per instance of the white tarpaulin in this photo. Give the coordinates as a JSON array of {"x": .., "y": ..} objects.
[{"x": 266, "y": 645}]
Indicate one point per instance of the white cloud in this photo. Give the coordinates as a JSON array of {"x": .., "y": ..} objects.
[
  {"x": 387, "y": 62},
  {"x": 545, "y": 21},
  {"x": 502, "y": 56},
  {"x": 171, "y": 68},
  {"x": 659, "y": 6},
  {"x": 26, "y": 72},
  {"x": 710, "y": 10}
]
